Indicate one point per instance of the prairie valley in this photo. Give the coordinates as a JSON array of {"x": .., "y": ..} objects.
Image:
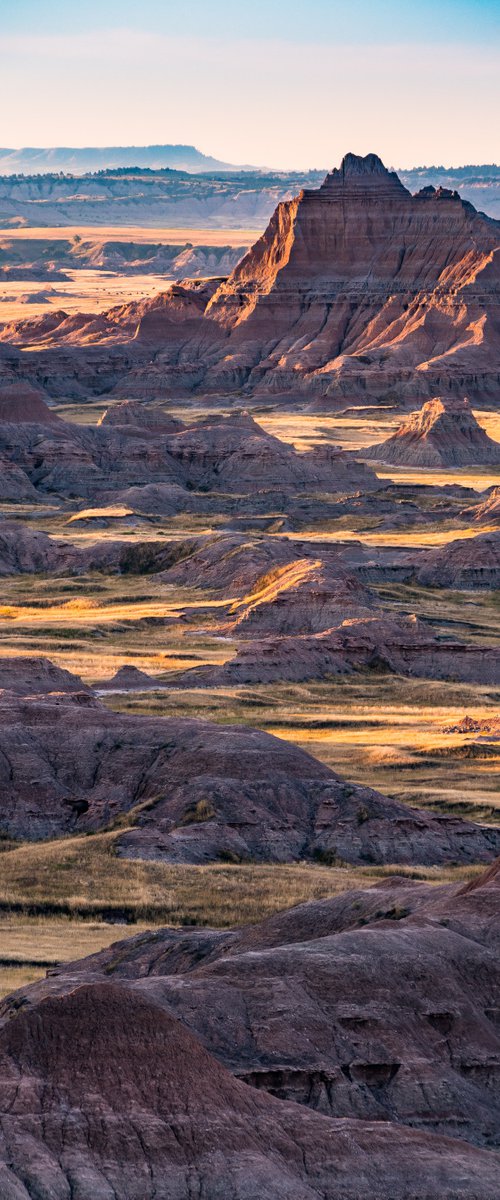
[{"x": 249, "y": 693}]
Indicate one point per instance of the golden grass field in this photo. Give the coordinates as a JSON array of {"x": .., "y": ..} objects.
[
  {"x": 94, "y": 291},
  {"x": 67, "y": 898},
  {"x": 168, "y": 236},
  {"x": 53, "y": 897}
]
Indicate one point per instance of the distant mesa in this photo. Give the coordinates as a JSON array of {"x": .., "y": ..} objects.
[
  {"x": 78, "y": 159},
  {"x": 443, "y": 433}
]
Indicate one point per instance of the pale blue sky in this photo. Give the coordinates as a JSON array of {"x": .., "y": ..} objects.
[{"x": 284, "y": 84}]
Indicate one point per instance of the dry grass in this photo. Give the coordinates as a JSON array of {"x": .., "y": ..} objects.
[
  {"x": 91, "y": 625},
  {"x": 54, "y": 896},
  {"x": 413, "y": 537},
  {"x": 29, "y": 947},
  {"x": 83, "y": 878},
  {"x": 381, "y": 731}
]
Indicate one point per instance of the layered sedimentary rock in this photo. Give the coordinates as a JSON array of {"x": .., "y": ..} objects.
[
  {"x": 132, "y": 447},
  {"x": 356, "y": 288},
  {"x": 402, "y": 645},
  {"x": 443, "y": 433},
  {"x": 105, "y": 1094},
  {"x": 464, "y": 563},
  {"x": 487, "y": 512},
  {"x": 196, "y": 792},
  {"x": 347, "y": 1048},
  {"x": 302, "y": 597}
]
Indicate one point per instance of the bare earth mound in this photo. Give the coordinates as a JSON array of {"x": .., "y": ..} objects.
[
  {"x": 444, "y": 433},
  {"x": 120, "y": 1099},
  {"x": 197, "y": 792},
  {"x": 342, "y": 1049}
]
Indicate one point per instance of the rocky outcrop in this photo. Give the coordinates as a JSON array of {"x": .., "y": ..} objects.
[
  {"x": 196, "y": 792},
  {"x": 127, "y": 679},
  {"x": 444, "y": 433},
  {"x": 487, "y": 512},
  {"x": 25, "y": 551},
  {"x": 465, "y": 563},
  {"x": 235, "y": 454},
  {"x": 301, "y": 597},
  {"x": 37, "y": 677},
  {"x": 134, "y": 446},
  {"x": 22, "y": 404},
  {"x": 120, "y": 1099},
  {"x": 402, "y": 645},
  {"x": 139, "y": 419},
  {"x": 355, "y": 289}
]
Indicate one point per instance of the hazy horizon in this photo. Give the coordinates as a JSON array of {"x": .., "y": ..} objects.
[{"x": 274, "y": 84}]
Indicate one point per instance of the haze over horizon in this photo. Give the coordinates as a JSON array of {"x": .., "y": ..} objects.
[{"x": 269, "y": 84}]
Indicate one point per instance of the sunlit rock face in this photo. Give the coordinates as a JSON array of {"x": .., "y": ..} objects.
[
  {"x": 443, "y": 433},
  {"x": 360, "y": 285},
  {"x": 355, "y": 289}
]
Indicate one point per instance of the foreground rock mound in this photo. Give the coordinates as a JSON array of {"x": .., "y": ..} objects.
[
  {"x": 333, "y": 1050},
  {"x": 104, "y": 1094},
  {"x": 196, "y": 792},
  {"x": 444, "y": 433}
]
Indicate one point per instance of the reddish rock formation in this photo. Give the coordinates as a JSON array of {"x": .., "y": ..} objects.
[
  {"x": 141, "y": 419},
  {"x": 338, "y": 1048},
  {"x": 487, "y": 512},
  {"x": 204, "y": 791},
  {"x": 401, "y": 645},
  {"x": 36, "y": 677},
  {"x": 355, "y": 289},
  {"x": 473, "y": 725},
  {"x": 27, "y": 551},
  {"x": 127, "y": 678},
  {"x": 22, "y": 404},
  {"x": 464, "y": 563},
  {"x": 233, "y": 455},
  {"x": 14, "y": 483},
  {"x": 103, "y": 1093},
  {"x": 444, "y": 433}
]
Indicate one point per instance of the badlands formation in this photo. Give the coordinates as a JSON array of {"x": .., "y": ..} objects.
[
  {"x": 444, "y": 433},
  {"x": 356, "y": 289},
  {"x": 250, "y": 655}
]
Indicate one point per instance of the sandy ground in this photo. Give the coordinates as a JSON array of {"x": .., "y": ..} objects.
[
  {"x": 135, "y": 233},
  {"x": 90, "y": 290},
  {"x": 86, "y": 291}
]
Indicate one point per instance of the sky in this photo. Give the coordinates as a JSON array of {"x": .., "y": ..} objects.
[{"x": 292, "y": 84}]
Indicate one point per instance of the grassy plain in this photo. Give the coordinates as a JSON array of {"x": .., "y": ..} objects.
[{"x": 67, "y": 898}]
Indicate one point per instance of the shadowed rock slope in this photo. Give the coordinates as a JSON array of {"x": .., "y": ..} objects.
[
  {"x": 196, "y": 792},
  {"x": 341, "y": 1050},
  {"x": 105, "y": 1095}
]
